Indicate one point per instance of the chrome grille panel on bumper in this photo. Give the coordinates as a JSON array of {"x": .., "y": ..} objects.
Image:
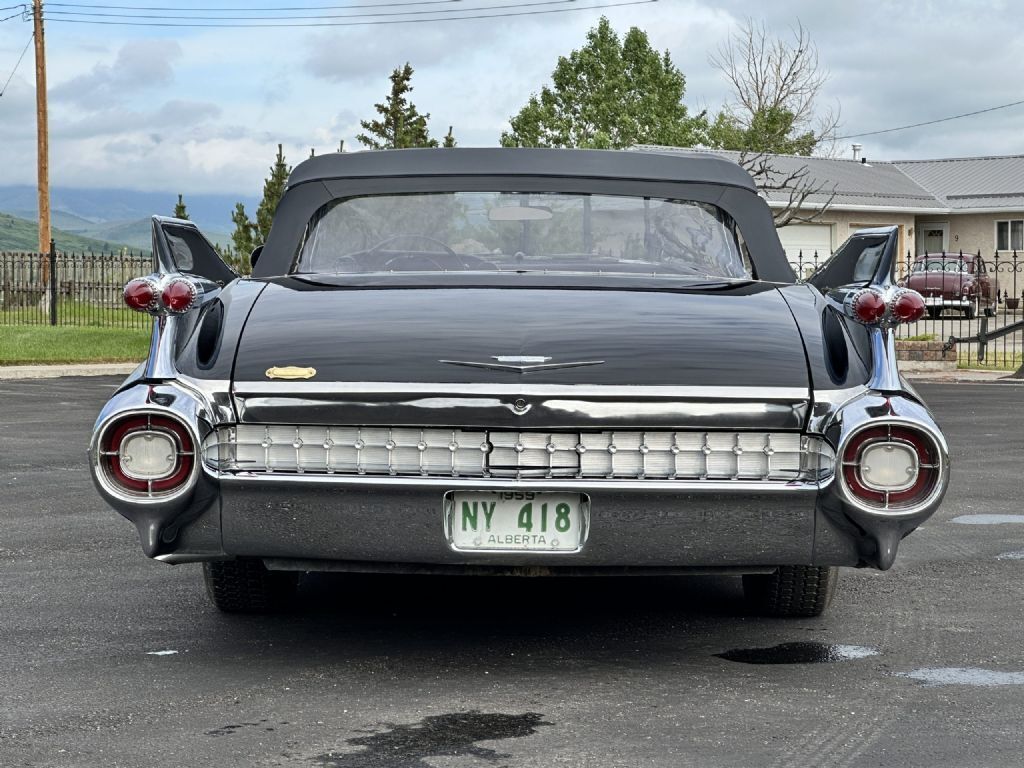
[{"x": 469, "y": 453}]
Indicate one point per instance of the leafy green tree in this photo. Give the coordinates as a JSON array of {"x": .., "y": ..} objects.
[
  {"x": 449, "y": 139},
  {"x": 180, "y": 211},
  {"x": 772, "y": 129},
  {"x": 609, "y": 94},
  {"x": 273, "y": 189},
  {"x": 400, "y": 124}
]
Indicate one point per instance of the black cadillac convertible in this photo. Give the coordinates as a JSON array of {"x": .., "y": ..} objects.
[{"x": 520, "y": 361}]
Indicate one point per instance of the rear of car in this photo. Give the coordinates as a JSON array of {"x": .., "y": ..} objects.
[
  {"x": 521, "y": 362},
  {"x": 953, "y": 281}
]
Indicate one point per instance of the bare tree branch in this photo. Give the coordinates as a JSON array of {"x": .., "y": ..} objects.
[{"x": 798, "y": 185}]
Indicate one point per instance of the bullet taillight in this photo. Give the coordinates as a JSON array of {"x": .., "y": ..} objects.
[
  {"x": 907, "y": 306},
  {"x": 869, "y": 306},
  {"x": 179, "y": 295},
  {"x": 141, "y": 294},
  {"x": 160, "y": 295}
]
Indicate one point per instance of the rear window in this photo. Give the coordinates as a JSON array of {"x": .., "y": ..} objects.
[
  {"x": 941, "y": 265},
  {"x": 522, "y": 232}
]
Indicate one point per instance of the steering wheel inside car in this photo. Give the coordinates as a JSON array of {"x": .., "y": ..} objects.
[{"x": 383, "y": 244}]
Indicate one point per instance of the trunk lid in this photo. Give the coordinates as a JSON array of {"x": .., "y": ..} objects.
[{"x": 641, "y": 346}]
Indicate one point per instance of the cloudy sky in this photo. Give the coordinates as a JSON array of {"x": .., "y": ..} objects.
[{"x": 201, "y": 110}]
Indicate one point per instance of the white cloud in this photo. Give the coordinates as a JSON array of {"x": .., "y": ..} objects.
[{"x": 203, "y": 110}]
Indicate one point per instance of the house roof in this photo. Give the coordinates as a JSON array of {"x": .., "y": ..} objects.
[
  {"x": 965, "y": 183},
  {"x": 958, "y": 185}
]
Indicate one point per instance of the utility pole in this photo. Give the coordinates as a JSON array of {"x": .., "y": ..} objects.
[{"x": 42, "y": 130}]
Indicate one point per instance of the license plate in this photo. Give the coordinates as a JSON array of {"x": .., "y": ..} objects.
[{"x": 516, "y": 520}]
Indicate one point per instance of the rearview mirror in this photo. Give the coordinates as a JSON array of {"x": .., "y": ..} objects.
[
  {"x": 519, "y": 213},
  {"x": 255, "y": 255}
]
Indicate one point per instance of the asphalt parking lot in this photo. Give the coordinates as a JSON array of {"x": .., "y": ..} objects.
[{"x": 109, "y": 659}]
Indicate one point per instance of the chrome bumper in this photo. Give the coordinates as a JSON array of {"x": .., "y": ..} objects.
[
  {"x": 399, "y": 520},
  {"x": 640, "y": 523}
]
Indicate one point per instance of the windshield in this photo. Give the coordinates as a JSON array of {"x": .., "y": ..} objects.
[
  {"x": 940, "y": 265},
  {"x": 509, "y": 232}
]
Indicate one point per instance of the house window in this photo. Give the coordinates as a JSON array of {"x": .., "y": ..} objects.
[{"x": 1010, "y": 235}]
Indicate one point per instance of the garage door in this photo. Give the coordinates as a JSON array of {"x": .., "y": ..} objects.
[{"x": 807, "y": 239}]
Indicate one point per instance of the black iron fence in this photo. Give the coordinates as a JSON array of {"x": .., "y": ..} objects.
[
  {"x": 975, "y": 300},
  {"x": 975, "y": 304},
  {"x": 67, "y": 288}
]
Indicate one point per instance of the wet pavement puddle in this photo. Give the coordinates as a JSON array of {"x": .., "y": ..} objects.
[
  {"x": 975, "y": 676},
  {"x": 987, "y": 519},
  {"x": 408, "y": 746},
  {"x": 228, "y": 730},
  {"x": 799, "y": 653},
  {"x": 1018, "y": 555}
]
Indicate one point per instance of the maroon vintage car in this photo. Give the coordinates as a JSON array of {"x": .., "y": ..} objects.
[{"x": 952, "y": 281}]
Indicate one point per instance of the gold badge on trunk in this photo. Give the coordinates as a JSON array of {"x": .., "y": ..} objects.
[{"x": 290, "y": 372}]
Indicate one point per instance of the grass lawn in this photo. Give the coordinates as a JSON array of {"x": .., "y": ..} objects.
[
  {"x": 31, "y": 344},
  {"x": 997, "y": 360}
]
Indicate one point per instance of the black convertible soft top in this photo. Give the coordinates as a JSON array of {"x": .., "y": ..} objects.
[
  {"x": 589, "y": 163},
  {"x": 705, "y": 178}
]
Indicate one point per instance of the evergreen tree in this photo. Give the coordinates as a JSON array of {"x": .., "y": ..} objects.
[
  {"x": 610, "y": 94},
  {"x": 449, "y": 139},
  {"x": 180, "y": 212},
  {"x": 400, "y": 125},
  {"x": 273, "y": 188},
  {"x": 244, "y": 237}
]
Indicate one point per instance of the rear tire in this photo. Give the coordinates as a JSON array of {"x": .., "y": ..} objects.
[
  {"x": 792, "y": 591},
  {"x": 246, "y": 586}
]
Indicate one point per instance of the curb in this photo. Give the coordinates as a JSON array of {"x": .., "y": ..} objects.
[
  {"x": 58, "y": 371},
  {"x": 962, "y": 376}
]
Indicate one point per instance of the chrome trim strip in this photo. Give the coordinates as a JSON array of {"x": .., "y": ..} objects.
[
  {"x": 476, "y": 483},
  {"x": 298, "y": 389},
  {"x": 526, "y": 368},
  {"x": 838, "y": 397},
  {"x": 885, "y": 375}
]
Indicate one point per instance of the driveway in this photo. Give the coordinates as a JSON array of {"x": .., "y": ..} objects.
[{"x": 108, "y": 659}]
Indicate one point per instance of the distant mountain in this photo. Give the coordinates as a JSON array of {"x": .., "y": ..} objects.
[
  {"x": 136, "y": 234},
  {"x": 76, "y": 209},
  {"x": 17, "y": 234}
]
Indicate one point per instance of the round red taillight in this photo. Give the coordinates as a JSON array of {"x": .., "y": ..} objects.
[
  {"x": 147, "y": 454},
  {"x": 179, "y": 295},
  {"x": 140, "y": 294},
  {"x": 908, "y": 306},
  {"x": 891, "y": 466},
  {"x": 869, "y": 306}
]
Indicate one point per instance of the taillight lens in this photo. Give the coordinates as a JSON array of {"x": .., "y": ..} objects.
[
  {"x": 141, "y": 294},
  {"x": 907, "y": 306},
  {"x": 147, "y": 454},
  {"x": 891, "y": 466},
  {"x": 869, "y": 306},
  {"x": 179, "y": 295}
]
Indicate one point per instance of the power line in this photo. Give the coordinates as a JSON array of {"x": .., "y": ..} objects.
[
  {"x": 353, "y": 23},
  {"x": 930, "y": 122},
  {"x": 178, "y": 9},
  {"x": 18, "y": 64},
  {"x": 13, "y": 15},
  {"x": 205, "y": 17}
]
